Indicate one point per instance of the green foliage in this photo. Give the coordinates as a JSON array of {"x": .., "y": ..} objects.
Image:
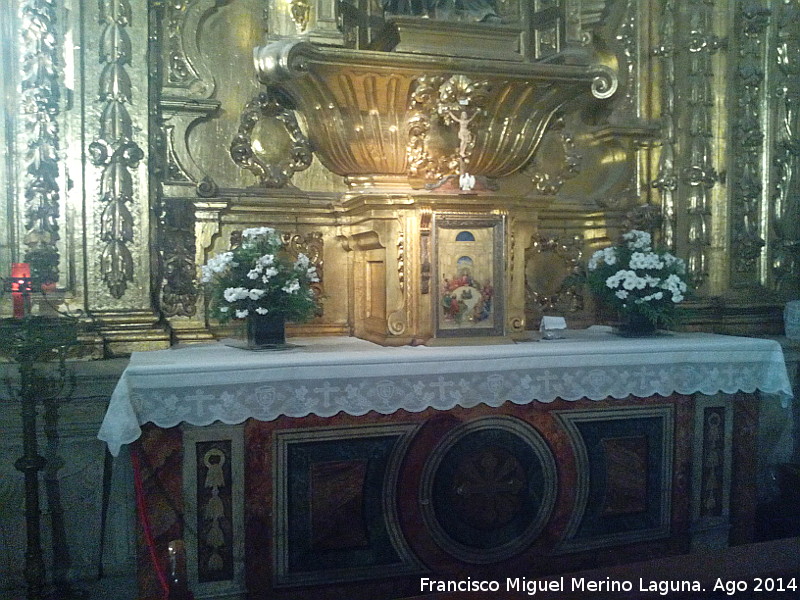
[
  {"x": 260, "y": 277},
  {"x": 632, "y": 278}
]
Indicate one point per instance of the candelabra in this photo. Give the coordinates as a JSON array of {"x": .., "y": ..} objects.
[{"x": 38, "y": 345}]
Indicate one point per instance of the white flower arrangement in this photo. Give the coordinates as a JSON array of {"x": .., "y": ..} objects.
[
  {"x": 259, "y": 277},
  {"x": 634, "y": 279}
]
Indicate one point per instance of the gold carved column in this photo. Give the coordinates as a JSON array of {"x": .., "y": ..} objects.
[{"x": 119, "y": 232}]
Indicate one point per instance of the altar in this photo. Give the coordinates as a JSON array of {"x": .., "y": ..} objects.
[{"x": 339, "y": 467}]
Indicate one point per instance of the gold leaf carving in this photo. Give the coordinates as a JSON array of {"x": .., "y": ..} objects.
[
  {"x": 248, "y": 151},
  {"x": 438, "y": 102},
  {"x": 114, "y": 150},
  {"x": 40, "y": 111},
  {"x": 300, "y": 11}
]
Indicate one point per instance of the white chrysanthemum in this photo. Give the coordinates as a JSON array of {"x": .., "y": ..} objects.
[
  {"x": 291, "y": 286},
  {"x": 269, "y": 273},
  {"x": 629, "y": 283},
  {"x": 627, "y": 279},
  {"x": 223, "y": 309},
  {"x": 241, "y": 314},
  {"x": 216, "y": 264},
  {"x": 621, "y": 294},
  {"x": 232, "y": 294},
  {"x": 610, "y": 256},
  {"x": 638, "y": 240},
  {"x": 594, "y": 261},
  {"x": 265, "y": 261},
  {"x": 652, "y": 281},
  {"x": 302, "y": 262},
  {"x": 674, "y": 284},
  {"x": 261, "y": 310},
  {"x": 254, "y": 232},
  {"x": 256, "y": 293},
  {"x": 311, "y": 273},
  {"x": 645, "y": 260},
  {"x": 253, "y": 274},
  {"x": 613, "y": 280}
]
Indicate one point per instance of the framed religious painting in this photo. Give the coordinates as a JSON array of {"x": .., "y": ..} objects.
[{"x": 469, "y": 271}]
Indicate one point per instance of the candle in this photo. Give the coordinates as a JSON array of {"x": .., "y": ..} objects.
[{"x": 20, "y": 287}]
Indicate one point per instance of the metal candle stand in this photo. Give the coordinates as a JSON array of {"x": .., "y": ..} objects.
[{"x": 31, "y": 342}]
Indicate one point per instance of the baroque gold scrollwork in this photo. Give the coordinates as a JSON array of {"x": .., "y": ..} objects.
[
  {"x": 549, "y": 170},
  {"x": 300, "y": 11},
  {"x": 543, "y": 290},
  {"x": 115, "y": 150},
  {"x": 455, "y": 100},
  {"x": 40, "y": 100},
  {"x": 248, "y": 151},
  {"x": 312, "y": 245},
  {"x": 784, "y": 200}
]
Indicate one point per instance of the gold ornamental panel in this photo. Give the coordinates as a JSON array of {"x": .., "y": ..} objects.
[{"x": 360, "y": 116}]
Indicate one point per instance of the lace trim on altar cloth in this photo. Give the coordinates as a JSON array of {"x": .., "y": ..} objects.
[{"x": 439, "y": 378}]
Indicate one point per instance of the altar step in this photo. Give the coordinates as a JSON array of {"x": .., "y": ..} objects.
[{"x": 774, "y": 562}]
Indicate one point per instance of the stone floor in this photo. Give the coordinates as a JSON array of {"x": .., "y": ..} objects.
[
  {"x": 777, "y": 520},
  {"x": 108, "y": 588}
]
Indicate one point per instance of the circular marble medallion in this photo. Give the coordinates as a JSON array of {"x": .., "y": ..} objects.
[{"x": 488, "y": 489}]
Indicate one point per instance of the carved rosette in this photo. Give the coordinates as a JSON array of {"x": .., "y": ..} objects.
[
  {"x": 267, "y": 105},
  {"x": 785, "y": 197},
  {"x": 666, "y": 181},
  {"x": 114, "y": 150},
  {"x": 748, "y": 145},
  {"x": 39, "y": 110}
]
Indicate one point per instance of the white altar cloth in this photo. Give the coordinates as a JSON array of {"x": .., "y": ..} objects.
[{"x": 206, "y": 383}]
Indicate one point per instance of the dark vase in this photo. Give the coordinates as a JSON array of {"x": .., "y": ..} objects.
[
  {"x": 265, "y": 331},
  {"x": 636, "y": 325}
]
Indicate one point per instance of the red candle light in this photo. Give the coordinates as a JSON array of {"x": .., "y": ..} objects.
[{"x": 20, "y": 287}]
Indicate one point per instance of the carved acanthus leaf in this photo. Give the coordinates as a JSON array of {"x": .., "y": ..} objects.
[
  {"x": 748, "y": 133},
  {"x": 115, "y": 150},
  {"x": 40, "y": 98}
]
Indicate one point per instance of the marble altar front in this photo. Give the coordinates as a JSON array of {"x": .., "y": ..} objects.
[{"x": 341, "y": 468}]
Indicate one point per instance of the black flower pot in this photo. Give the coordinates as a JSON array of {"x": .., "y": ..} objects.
[
  {"x": 636, "y": 325},
  {"x": 265, "y": 331}
]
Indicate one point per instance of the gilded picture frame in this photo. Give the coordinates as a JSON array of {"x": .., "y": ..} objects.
[{"x": 469, "y": 275}]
